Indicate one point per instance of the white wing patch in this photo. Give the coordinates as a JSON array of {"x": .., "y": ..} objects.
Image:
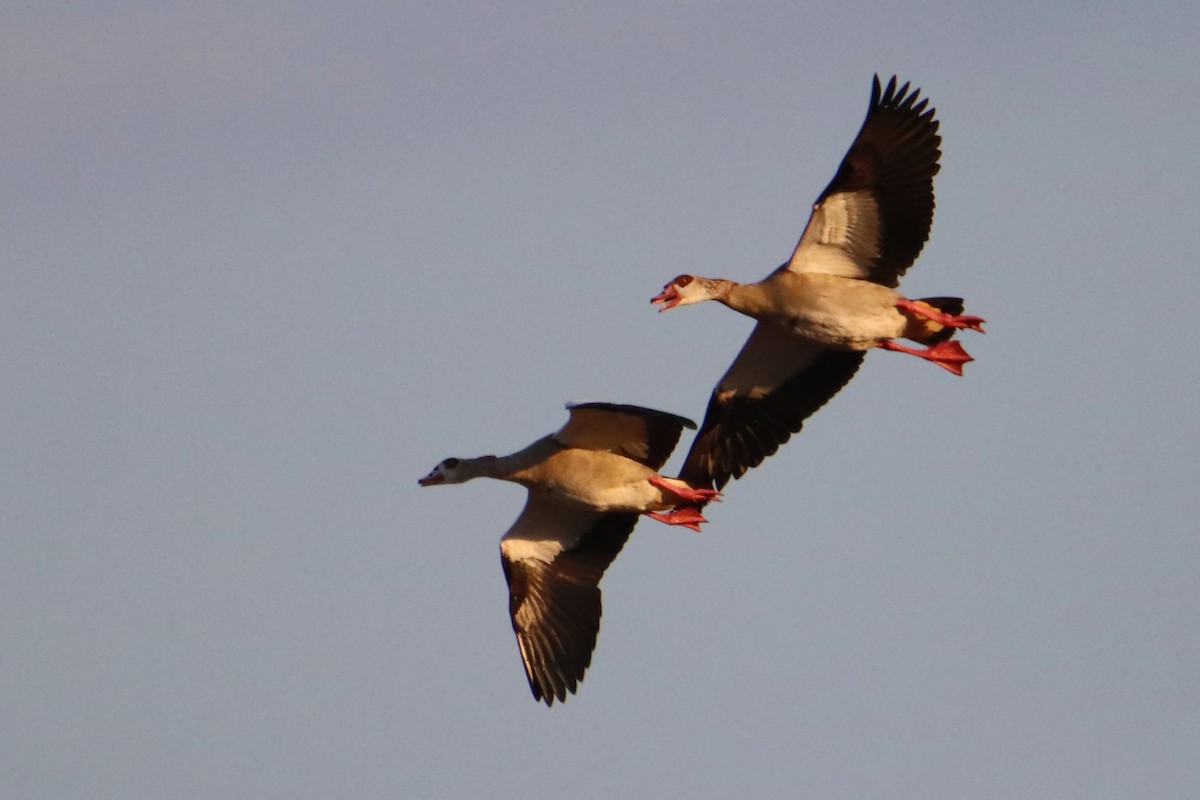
[
  {"x": 851, "y": 219},
  {"x": 545, "y": 529},
  {"x": 545, "y": 550},
  {"x": 842, "y": 238},
  {"x": 769, "y": 357}
]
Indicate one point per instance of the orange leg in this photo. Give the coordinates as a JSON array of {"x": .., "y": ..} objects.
[
  {"x": 683, "y": 490},
  {"x": 940, "y": 317},
  {"x": 948, "y": 355},
  {"x": 688, "y": 517}
]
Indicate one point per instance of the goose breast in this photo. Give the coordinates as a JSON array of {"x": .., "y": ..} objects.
[{"x": 598, "y": 479}]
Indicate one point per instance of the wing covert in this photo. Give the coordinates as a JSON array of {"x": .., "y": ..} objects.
[
  {"x": 776, "y": 382},
  {"x": 642, "y": 434}
]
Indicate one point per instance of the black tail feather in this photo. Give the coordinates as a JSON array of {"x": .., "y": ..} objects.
[{"x": 947, "y": 305}]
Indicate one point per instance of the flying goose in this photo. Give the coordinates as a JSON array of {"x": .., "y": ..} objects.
[
  {"x": 834, "y": 299},
  {"x": 587, "y": 485}
]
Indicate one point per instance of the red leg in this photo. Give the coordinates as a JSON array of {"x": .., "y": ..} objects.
[
  {"x": 684, "y": 491},
  {"x": 688, "y": 517},
  {"x": 948, "y": 355},
  {"x": 941, "y": 317}
]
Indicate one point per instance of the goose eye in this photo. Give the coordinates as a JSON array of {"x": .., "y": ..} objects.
[
  {"x": 683, "y": 280},
  {"x": 451, "y": 463}
]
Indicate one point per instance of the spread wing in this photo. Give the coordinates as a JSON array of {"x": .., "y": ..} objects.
[
  {"x": 874, "y": 217},
  {"x": 553, "y": 557},
  {"x": 776, "y": 382},
  {"x": 642, "y": 434}
]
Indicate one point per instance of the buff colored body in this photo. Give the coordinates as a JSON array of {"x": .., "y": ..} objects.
[
  {"x": 593, "y": 479},
  {"x": 835, "y": 311}
]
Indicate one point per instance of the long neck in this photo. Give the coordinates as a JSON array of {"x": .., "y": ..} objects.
[
  {"x": 513, "y": 467},
  {"x": 720, "y": 289},
  {"x": 745, "y": 298}
]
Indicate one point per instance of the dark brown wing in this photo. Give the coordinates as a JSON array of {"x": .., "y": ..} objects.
[
  {"x": 553, "y": 560},
  {"x": 873, "y": 219},
  {"x": 642, "y": 434},
  {"x": 776, "y": 382}
]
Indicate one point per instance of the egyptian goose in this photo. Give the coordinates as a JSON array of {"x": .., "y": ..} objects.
[
  {"x": 834, "y": 299},
  {"x": 587, "y": 485}
]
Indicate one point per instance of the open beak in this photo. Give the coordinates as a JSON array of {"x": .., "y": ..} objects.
[
  {"x": 432, "y": 479},
  {"x": 667, "y": 297}
]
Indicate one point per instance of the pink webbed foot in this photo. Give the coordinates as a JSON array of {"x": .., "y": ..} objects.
[
  {"x": 940, "y": 317},
  {"x": 688, "y": 516},
  {"x": 948, "y": 355},
  {"x": 685, "y": 491}
]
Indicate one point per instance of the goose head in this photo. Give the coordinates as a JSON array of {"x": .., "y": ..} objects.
[
  {"x": 456, "y": 470},
  {"x": 685, "y": 290}
]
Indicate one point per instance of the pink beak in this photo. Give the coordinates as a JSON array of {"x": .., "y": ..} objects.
[
  {"x": 668, "y": 297},
  {"x": 431, "y": 480}
]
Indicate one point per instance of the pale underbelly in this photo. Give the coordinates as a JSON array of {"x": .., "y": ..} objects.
[{"x": 847, "y": 332}]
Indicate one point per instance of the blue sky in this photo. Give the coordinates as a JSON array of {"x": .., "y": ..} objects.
[{"x": 263, "y": 267}]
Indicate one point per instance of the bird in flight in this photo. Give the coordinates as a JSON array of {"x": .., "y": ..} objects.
[
  {"x": 588, "y": 483},
  {"x": 834, "y": 299}
]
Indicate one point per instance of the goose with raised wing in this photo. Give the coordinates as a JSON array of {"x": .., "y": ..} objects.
[
  {"x": 835, "y": 299},
  {"x": 587, "y": 485}
]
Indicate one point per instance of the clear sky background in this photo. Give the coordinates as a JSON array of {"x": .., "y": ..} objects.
[{"x": 263, "y": 265}]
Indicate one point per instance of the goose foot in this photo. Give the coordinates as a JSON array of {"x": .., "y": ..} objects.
[
  {"x": 687, "y": 516},
  {"x": 947, "y": 355},
  {"x": 941, "y": 317},
  {"x": 684, "y": 490}
]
